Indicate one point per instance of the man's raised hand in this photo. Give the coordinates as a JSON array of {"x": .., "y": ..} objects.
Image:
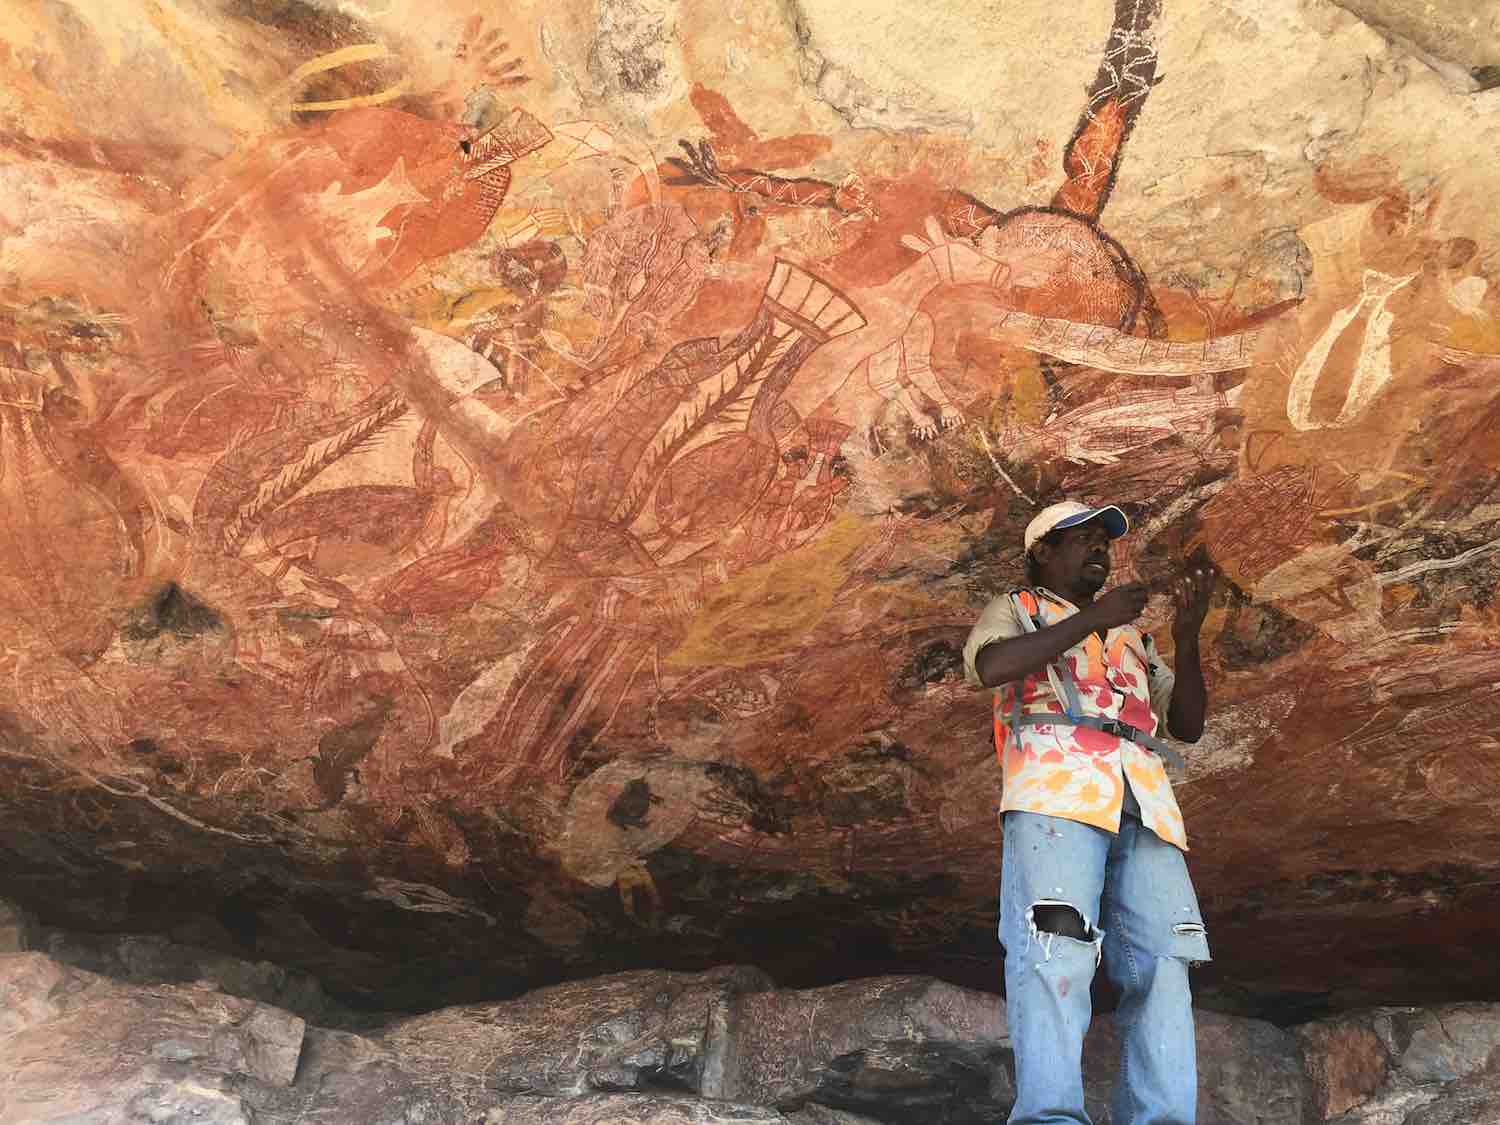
[
  {"x": 1120, "y": 606},
  {"x": 1191, "y": 594}
]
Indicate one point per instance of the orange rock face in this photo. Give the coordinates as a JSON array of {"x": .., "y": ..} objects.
[{"x": 506, "y": 506}]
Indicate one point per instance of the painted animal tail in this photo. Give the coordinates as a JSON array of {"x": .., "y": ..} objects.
[
  {"x": 1126, "y": 74},
  {"x": 262, "y": 472},
  {"x": 564, "y": 700}
]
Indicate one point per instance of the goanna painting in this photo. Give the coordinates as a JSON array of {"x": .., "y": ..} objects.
[{"x": 405, "y": 446}]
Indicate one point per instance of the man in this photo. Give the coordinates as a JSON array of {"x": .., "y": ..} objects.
[{"x": 1093, "y": 864}]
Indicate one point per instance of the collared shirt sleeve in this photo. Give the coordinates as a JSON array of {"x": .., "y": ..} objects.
[
  {"x": 997, "y": 623},
  {"x": 1162, "y": 680}
]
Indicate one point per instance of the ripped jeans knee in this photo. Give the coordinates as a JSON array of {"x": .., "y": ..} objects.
[{"x": 1048, "y": 920}]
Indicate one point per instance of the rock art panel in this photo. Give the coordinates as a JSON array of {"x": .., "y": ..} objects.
[{"x": 457, "y": 459}]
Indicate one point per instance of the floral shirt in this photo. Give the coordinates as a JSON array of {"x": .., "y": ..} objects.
[{"x": 1075, "y": 772}]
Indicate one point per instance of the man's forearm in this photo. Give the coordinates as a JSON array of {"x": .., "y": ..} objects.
[
  {"x": 1189, "y": 694},
  {"x": 1015, "y": 658}
]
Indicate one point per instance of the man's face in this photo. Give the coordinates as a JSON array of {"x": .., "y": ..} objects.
[{"x": 1077, "y": 565}]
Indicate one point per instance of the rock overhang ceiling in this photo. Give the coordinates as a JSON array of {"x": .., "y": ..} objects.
[{"x": 499, "y": 493}]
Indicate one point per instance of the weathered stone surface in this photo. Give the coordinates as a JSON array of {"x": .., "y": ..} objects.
[
  {"x": 1465, "y": 1101},
  {"x": 1405, "y": 1066},
  {"x": 49, "y": 1005},
  {"x": 78, "y": 1047},
  {"x": 1460, "y": 39},
  {"x": 345, "y": 1079},
  {"x": 822, "y": 1115},
  {"x": 152, "y": 959},
  {"x": 636, "y": 54},
  {"x": 612, "y": 1033},
  {"x": 1249, "y": 1071},
  {"x": 1346, "y": 1062},
  {"x": 903, "y": 1044},
  {"x": 1469, "y": 1101},
  {"x": 654, "y": 1109},
  {"x": 638, "y": 1047},
  {"x": 446, "y": 552}
]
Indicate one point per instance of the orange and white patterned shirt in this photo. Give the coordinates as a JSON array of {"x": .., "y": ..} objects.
[{"x": 1075, "y": 772}]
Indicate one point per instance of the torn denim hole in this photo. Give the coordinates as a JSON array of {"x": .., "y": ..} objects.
[
  {"x": 1191, "y": 930},
  {"x": 1045, "y": 938}
]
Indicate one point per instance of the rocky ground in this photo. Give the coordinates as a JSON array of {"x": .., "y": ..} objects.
[{"x": 214, "y": 1041}]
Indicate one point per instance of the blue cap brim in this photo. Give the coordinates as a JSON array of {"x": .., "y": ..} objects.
[{"x": 1112, "y": 518}]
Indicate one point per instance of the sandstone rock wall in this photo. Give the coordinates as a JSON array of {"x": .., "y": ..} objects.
[
  {"x": 494, "y": 495},
  {"x": 1410, "y": 1065}
]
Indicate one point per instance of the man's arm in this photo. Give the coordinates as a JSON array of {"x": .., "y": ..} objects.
[
  {"x": 1014, "y": 658},
  {"x": 1189, "y": 705}
]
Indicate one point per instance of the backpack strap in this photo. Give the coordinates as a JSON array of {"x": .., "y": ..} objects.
[
  {"x": 1108, "y": 726},
  {"x": 1066, "y": 688}
]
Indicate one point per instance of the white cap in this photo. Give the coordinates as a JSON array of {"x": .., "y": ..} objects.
[{"x": 1070, "y": 513}]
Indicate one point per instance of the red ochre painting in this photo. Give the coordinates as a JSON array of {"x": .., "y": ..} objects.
[{"x": 503, "y": 515}]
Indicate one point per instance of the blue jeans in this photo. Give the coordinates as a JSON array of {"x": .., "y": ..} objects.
[{"x": 1138, "y": 908}]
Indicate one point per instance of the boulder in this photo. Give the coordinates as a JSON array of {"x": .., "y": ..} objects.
[
  {"x": 347, "y": 1079},
  {"x": 1249, "y": 1072},
  {"x": 618, "y": 1032},
  {"x": 81, "y": 1049},
  {"x": 1469, "y": 1101},
  {"x": 906, "y": 1045},
  {"x": 646, "y": 1048},
  {"x": 151, "y": 958},
  {"x": 78, "y": 1047},
  {"x": 655, "y": 1109},
  {"x": 1405, "y": 1066}
]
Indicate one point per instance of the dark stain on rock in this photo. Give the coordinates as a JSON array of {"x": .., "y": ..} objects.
[
  {"x": 889, "y": 891},
  {"x": 632, "y": 808},
  {"x": 798, "y": 718},
  {"x": 143, "y": 746},
  {"x": 629, "y": 52},
  {"x": 1347, "y": 890},
  {"x": 641, "y": 75},
  {"x": 315, "y": 26},
  {"x": 932, "y": 663},
  {"x": 317, "y": 29},
  {"x": 586, "y": 752},
  {"x": 241, "y": 918},
  {"x": 343, "y": 748},
  {"x": 867, "y": 785},
  {"x": 956, "y": 1083},
  {"x": 921, "y": 505},
  {"x": 12, "y": 727},
  {"x": 565, "y": 694},
  {"x": 994, "y": 543},
  {"x": 687, "y": 717},
  {"x": 336, "y": 922},
  {"x": 1257, "y": 633},
  {"x": 762, "y": 809},
  {"x": 172, "y": 610}
]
